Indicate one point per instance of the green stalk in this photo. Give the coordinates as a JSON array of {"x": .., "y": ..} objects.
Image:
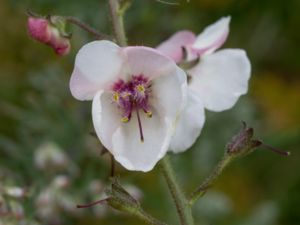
[
  {"x": 117, "y": 14},
  {"x": 209, "y": 181},
  {"x": 183, "y": 208}
]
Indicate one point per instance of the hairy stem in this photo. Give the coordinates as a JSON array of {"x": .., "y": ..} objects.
[
  {"x": 148, "y": 218},
  {"x": 84, "y": 26},
  {"x": 183, "y": 208},
  {"x": 117, "y": 20},
  {"x": 210, "y": 180}
]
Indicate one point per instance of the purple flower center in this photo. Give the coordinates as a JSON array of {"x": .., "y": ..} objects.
[{"x": 133, "y": 96}]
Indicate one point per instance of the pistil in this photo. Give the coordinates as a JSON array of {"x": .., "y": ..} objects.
[{"x": 140, "y": 125}]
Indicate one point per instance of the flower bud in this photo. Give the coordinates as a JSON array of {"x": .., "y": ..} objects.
[
  {"x": 118, "y": 198},
  {"x": 243, "y": 143},
  {"x": 50, "y": 32}
]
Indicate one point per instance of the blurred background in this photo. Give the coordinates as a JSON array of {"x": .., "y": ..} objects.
[{"x": 49, "y": 162}]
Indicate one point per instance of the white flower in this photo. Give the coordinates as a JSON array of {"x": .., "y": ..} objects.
[
  {"x": 216, "y": 81},
  {"x": 137, "y": 95}
]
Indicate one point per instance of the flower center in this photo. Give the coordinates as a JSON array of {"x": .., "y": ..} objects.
[{"x": 133, "y": 96}]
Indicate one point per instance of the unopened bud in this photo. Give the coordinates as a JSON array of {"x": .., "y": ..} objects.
[
  {"x": 50, "y": 32},
  {"x": 118, "y": 198},
  {"x": 243, "y": 143}
]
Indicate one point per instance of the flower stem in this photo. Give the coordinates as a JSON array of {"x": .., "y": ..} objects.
[
  {"x": 210, "y": 180},
  {"x": 183, "y": 208},
  {"x": 148, "y": 218},
  {"x": 84, "y": 26},
  {"x": 75, "y": 21},
  {"x": 117, "y": 21}
]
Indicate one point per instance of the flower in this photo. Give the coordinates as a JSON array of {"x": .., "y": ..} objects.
[
  {"x": 216, "y": 78},
  {"x": 50, "y": 32},
  {"x": 137, "y": 95}
]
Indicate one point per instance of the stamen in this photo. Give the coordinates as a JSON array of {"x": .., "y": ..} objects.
[
  {"x": 149, "y": 114},
  {"x": 140, "y": 88},
  {"x": 125, "y": 119},
  {"x": 280, "y": 152},
  {"x": 140, "y": 125},
  {"x": 116, "y": 96}
]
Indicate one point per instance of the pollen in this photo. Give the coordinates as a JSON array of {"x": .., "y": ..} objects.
[
  {"x": 149, "y": 114},
  {"x": 140, "y": 88},
  {"x": 116, "y": 96},
  {"x": 124, "y": 119}
]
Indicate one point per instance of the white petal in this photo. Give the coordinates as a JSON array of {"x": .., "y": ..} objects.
[
  {"x": 173, "y": 46},
  {"x": 81, "y": 88},
  {"x": 221, "y": 78},
  {"x": 106, "y": 117},
  {"x": 213, "y": 36},
  {"x": 189, "y": 125},
  {"x": 97, "y": 64},
  {"x": 169, "y": 93},
  {"x": 142, "y": 156},
  {"x": 148, "y": 61}
]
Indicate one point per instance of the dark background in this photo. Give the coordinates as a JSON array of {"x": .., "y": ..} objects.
[{"x": 36, "y": 107}]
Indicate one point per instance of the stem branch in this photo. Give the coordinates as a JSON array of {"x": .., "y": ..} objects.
[
  {"x": 183, "y": 209},
  {"x": 210, "y": 180},
  {"x": 84, "y": 26}
]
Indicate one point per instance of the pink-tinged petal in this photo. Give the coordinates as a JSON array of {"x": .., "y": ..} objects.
[
  {"x": 169, "y": 93},
  {"x": 148, "y": 62},
  {"x": 81, "y": 88},
  {"x": 213, "y": 37},
  {"x": 61, "y": 45},
  {"x": 173, "y": 46},
  {"x": 133, "y": 154},
  {"x": 39, "y": 29},
  {"x": 97, "y": 66},
  {"x": 106, "y": 117},
  {"x": 221, "y": 78},
  {"x": 189, "y": 125},
  {"x": 123, "y": 139}
]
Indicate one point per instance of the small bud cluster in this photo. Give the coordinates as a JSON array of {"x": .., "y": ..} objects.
[{"x": 50, "y": 31}]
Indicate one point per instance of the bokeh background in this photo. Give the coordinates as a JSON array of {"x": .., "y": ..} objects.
[{"x": 47, "y": 152}]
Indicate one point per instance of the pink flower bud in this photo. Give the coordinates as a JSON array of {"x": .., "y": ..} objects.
[
  {"x": 61, "y": 45},
  {"x": 45, "y": 32},
  {"x": 39, "y": 29}
]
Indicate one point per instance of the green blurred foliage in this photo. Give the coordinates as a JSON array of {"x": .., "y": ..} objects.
[{"x": 36, "y": 107}]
